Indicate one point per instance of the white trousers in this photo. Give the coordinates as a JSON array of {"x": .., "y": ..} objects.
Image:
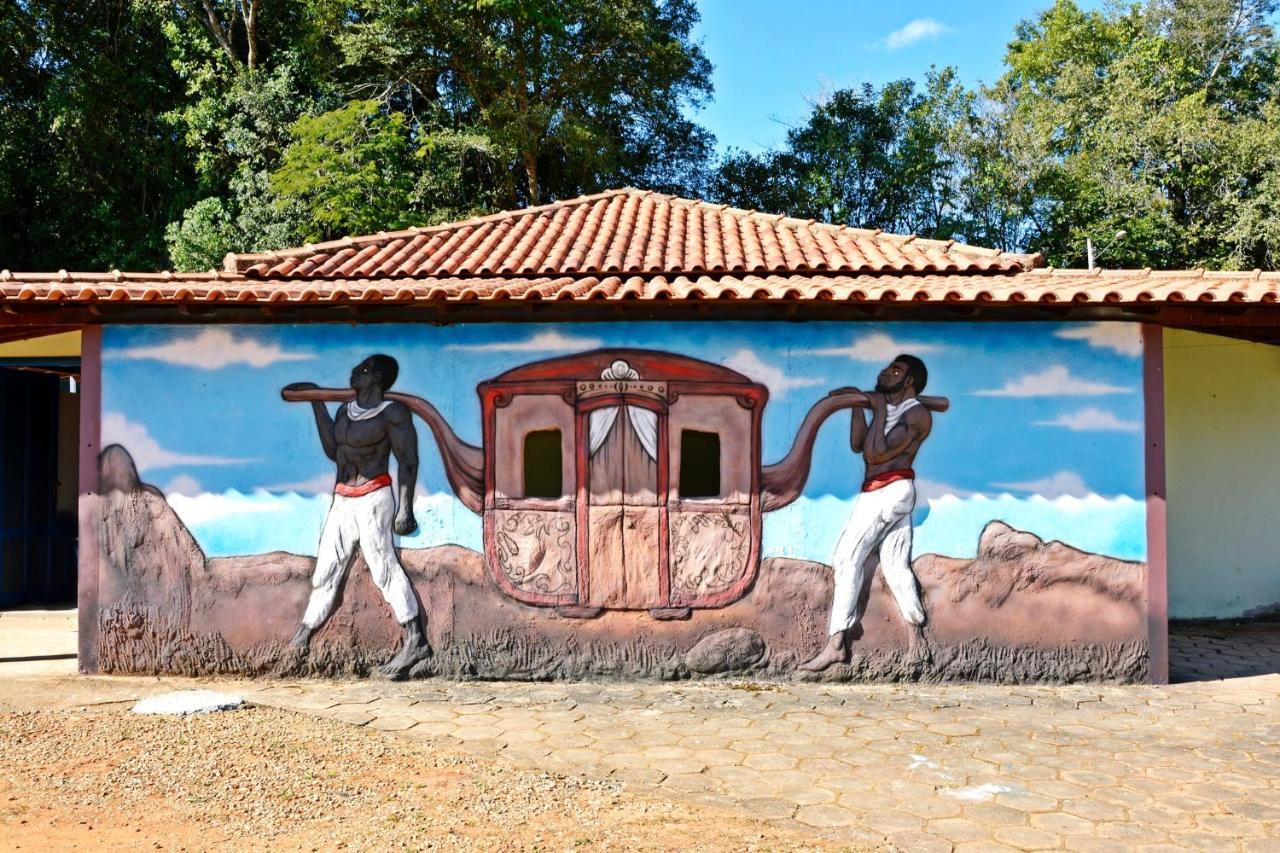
[
  {"x": 881, "y": 520},
  {"x": 365, "y": 521}
]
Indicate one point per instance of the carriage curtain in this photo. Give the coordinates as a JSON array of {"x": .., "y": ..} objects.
[{"x": 644, "y": 421}]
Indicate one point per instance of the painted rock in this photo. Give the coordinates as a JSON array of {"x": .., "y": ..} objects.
[{"x": 730, "y": 650}]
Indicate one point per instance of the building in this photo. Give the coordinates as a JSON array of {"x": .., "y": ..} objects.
[{"x": 631, "y": 440}]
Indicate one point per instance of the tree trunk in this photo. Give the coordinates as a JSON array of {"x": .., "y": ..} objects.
[{"x": 531, "y": 177}]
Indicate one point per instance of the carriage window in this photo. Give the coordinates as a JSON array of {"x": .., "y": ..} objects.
[
  {"x": 542, "y": 471},
  {"x": 699, "y": 464}
]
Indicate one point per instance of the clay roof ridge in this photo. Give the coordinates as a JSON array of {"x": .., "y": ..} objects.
[{"x": 241, "y": 261}]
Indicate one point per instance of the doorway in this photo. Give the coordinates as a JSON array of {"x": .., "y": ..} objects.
[
  {"x": 39, "y": 438},
  {"x": 624, "y": 470}
]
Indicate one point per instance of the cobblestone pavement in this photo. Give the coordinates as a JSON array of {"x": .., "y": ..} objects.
[
  {"x": 977, "y": 767},
  {"x": 1195, "y": 765}
]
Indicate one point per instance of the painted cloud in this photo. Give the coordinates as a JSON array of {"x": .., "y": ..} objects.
[
  {"x": 1092, "y": 420},
  {"x": 1054, "y": 381},
  {"x": 1061, "y": 484},
  {"x": 541, "y": 342},
  {"x": 1123, "y": 338},
  {"x": 877, "y": 347},
  {"x": 214, "y": 349},
  {"x": 146, "y": 451},
  {"x": 745, "y": 361}
]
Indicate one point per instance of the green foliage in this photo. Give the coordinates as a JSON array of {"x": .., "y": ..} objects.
[
  {"x": 885, "y": 158},
  {"x": 348, "y": 169},
  {"x": 1158, "y": 119},
  {"x": 143, "y": 132}
]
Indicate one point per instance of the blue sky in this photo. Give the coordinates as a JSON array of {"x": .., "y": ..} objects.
[
  {"x": 771, "y": 59},
  {"x": 1037, "y": 408}
]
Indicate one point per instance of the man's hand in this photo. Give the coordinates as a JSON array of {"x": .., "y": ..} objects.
[
  {"x": 300, "y": 386},
  {"x": 405, "y": 524},
  {"x": 876, "y": 400},
  {"x": 848, "y": 389}
]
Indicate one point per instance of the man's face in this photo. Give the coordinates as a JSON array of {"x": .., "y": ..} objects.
[
  {"x": 363, "y": 375},
  {"x": 892, "y": 379}
]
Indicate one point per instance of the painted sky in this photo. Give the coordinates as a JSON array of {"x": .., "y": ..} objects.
[
  {"x": 772, "y": 60},
  {"x": 1037, "y": 408}
]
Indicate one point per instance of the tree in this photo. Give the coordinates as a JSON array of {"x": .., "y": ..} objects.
[
  {"x": 584, "y": 94},
  {"x": 881, "y": 158},
  {"x": 348, "y": 169},
  {"x": 1146, "y": 119},
  {"x": 88, "y": 171}
]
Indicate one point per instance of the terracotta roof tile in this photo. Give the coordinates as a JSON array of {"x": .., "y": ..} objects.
[
  {"x": 1044, "y": 286},
  {"x": 625, "y": 231}
]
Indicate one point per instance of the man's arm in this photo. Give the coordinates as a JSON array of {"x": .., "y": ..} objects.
[
  {"x": 879, "y": 447},
  {"x": 404, "y": 444},
  {"x": 857, "y": 430},
  {"x": 324, "y": 423}
]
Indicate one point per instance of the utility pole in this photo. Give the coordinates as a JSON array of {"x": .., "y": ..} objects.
[{"x": 1093, "y": 254}]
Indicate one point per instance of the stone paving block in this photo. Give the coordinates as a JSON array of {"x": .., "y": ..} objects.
[
  {"x": 638, "y": 775},
  {"x": 392, "y": 723},
  {"x": 1027, "y": 838},
  {"x": 994, "y": 815},
  {"x": 891, "y": 822},
  {"x": 1062, "y": 824},
  {"x": 348, "y": 715},
  {"x": 826, "y": 815},
  {"x": 769, "y": 808},
  {"x": 958, "y": 829},
  {"x": 921, "y": 842},
  {"x": 768, "y": 761}
]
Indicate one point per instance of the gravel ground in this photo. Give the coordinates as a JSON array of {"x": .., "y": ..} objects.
[{"x": 259, "y": 778}]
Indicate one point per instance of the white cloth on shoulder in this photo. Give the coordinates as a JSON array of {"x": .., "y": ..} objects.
[
  {"x": 356, "y": 412},
  {"x": 893, "y": 413}
]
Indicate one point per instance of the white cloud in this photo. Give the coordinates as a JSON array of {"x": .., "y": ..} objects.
[
  {"x": 1092, "y": 420},
  {"x": 541, "y": 342},
  {"x": 745, "y": 361},
  {"x": 1124, "y": 338},
  {"x": 320, "y": 484},
  {"x": 1061, "y": 484},
  {"x": 1053, "y": 381},
  {"x": 877, "y": 347},
  {"x": 183, "y": 485},
  {"x": 914, "y": 31},
  {"x": 206, "y": 508},
  {"x": 214, "y": 349},
  {"x": 146, "y": 451}
]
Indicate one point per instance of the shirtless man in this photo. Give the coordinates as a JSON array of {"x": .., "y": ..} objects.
[
  {"x": 881, "y": 517},
  {"x": 361, "y": 439}
]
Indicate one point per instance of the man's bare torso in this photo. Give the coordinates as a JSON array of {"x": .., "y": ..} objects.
[
  {"x": 364, "y": 447},
  {"x": 916, "y": 419}
]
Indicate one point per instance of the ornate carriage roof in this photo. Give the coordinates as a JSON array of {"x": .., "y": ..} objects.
[{"x": 649, "y": 364}]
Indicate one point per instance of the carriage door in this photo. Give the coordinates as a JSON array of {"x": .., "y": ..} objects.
[{"x": 624, "y": 477}]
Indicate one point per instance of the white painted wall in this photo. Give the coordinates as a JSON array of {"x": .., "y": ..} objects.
[{"x": 1222, "y": 428}]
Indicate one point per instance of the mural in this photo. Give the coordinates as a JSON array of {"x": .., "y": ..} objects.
[{"x": 625, "y": 499}]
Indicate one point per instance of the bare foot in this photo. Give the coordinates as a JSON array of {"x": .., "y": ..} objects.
[
  {"x": 415, "y": 650},
  {"x": 302, "y": 639},
  {"x": 834, "y": 652}
]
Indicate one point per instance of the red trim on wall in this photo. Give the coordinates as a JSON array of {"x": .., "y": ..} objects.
[
  {"x": 664, "y": 520},
  {"x": 90, "y": 439},
  {"x": 582, "y": 459},
  {"x": 1157, "y": 518}
]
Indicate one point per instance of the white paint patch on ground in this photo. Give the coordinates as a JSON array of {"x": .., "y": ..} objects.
[
  {"x": 978, "y": 793},
  {"x": 181, "y": 702}
]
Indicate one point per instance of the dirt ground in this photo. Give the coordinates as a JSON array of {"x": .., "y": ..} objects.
[{"x": 105, "y": 779}]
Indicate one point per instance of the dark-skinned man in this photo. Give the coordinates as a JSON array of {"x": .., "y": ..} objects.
[
  {"x": 881, "y": 516},
  {"x": 360, "y": 441}
]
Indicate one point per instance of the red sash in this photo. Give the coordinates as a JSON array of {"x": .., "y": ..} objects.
[
  {"x": 382, "y": 481},
  {"x": 884, "y": 478}
]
